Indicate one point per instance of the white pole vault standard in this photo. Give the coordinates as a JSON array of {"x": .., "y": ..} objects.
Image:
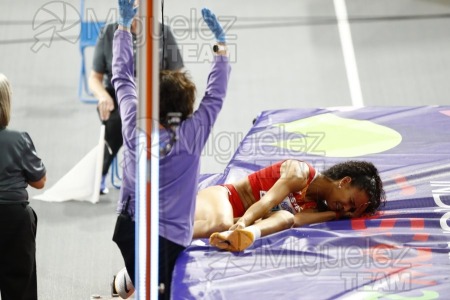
[
  {"x": 153, "y": 127},
  {"x": 141, "y": 161},
  {"x": 147, "y": 182},
  {"x": 348, "y": 52}
]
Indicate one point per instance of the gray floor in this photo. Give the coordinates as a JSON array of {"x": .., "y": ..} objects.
[{"x": 286, "y": 54}]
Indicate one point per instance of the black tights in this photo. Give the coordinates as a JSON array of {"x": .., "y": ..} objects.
[
  {"x": 168, "y": 254},
  {"x": 113, "y": 135}
]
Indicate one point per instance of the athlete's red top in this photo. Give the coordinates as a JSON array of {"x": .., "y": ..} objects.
[{"x": 262, "y": 180}]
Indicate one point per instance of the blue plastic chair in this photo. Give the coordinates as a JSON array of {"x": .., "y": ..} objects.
[{"x": 88, "y": 38}]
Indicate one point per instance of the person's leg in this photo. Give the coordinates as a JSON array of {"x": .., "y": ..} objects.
[
  {"x": 113, "y": 139},
  {"x": 168, "y": 254},
  {"x": 31, "y": 289},
  {"x": 213, "y": 212},
  {"x": 113, "y": 142},
  {"x": 241, "y": 239},
  {"x": 124, "y": 237},
  {"x": 113, "y": 135},
  {"x": 18, "y": 252}
]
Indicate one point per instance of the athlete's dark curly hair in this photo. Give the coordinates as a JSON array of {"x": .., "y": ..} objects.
[
  {"x": 176, "y": 94},
  {"x": 365, "y": 176}
]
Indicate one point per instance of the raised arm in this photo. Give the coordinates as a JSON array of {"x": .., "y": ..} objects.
[
  {"x": 125, "y": 88},
  {"x": 205, "y": 116},
  {"x": 123, "y": 72}
]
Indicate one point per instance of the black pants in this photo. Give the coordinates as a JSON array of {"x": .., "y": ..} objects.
[
  {"x": 18, "y": 224},
  {"x": 124, "y": 237},
  {"x": 113, "y": 135},
  {"x": 168, "y": 254}
]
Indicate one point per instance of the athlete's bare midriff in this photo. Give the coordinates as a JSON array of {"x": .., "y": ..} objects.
[{"x": 245, "y": 192}]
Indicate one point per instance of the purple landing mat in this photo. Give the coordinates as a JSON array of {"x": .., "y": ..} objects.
[{"x": 401, "y": 253}]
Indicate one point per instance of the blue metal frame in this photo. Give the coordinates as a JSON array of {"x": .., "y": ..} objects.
[
  {"x": 115, "y": 176},
  {"x": 88, "y": 38}
]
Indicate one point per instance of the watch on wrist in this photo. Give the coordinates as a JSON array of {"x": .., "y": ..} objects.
[{"x": 219, "y": 48}]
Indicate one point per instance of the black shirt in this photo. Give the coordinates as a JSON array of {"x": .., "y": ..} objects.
[
  {"x": 19, "y": 164},
  {"x": 103, "y": 53}
]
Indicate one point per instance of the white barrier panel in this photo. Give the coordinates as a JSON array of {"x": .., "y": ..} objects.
[{"x": 82, "y": 182}]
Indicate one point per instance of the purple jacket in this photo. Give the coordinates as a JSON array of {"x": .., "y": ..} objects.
[
  {"x": 179, "y": 169},
  {"x": 123, "y": 82}
]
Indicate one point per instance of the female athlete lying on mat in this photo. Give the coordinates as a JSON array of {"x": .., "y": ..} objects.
[{"x": 290, "y": 193}]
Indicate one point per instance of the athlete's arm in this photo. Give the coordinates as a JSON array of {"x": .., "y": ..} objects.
[
  {"x": 304, "y": 218},
  {"x": 311, "y": 216},
  {"x": 294, "y": 177}
]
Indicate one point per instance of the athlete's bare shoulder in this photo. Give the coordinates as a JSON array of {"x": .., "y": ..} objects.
[{"x": 295, "y": 169}]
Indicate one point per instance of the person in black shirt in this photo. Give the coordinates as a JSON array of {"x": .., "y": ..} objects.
[{"x": 19, "y": 167}]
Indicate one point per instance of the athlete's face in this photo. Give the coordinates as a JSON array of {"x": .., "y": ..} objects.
[{"x": 348, "y": 199}]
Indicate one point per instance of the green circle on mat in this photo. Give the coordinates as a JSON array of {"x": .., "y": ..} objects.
[{"x": 333, "y": 136}]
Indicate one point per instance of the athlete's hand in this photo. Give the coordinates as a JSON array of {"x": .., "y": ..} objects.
[
  {"x": 358, "y": 212},
  {"x": 240, "y": 224},
  {"x": 213, "y": 24}
]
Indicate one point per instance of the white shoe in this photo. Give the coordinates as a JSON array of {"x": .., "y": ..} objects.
[
  {"x": 104, "y": 191},
  {"x": 123, "y": 285}
]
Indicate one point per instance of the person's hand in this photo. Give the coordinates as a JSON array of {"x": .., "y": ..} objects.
[
  {"x": 358, "y": 212},
  {"x": 105, "y": 107},
  {"x": 214, "y": 25},
  {"x": 240, "y": 224},
  {"x": 127, "y": 11}
]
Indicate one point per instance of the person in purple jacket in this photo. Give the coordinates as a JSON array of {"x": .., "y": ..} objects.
[{"x": 181, "y": 145}]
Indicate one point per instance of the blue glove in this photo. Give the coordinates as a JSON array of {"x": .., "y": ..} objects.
[
  {"x": 127, "y": 11},
  {"x": 211, "y": 20}
]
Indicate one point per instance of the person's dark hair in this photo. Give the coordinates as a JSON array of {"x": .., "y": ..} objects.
[
  {"x": 365, "y": 176},
  {"x": 176, "y": 94}
]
